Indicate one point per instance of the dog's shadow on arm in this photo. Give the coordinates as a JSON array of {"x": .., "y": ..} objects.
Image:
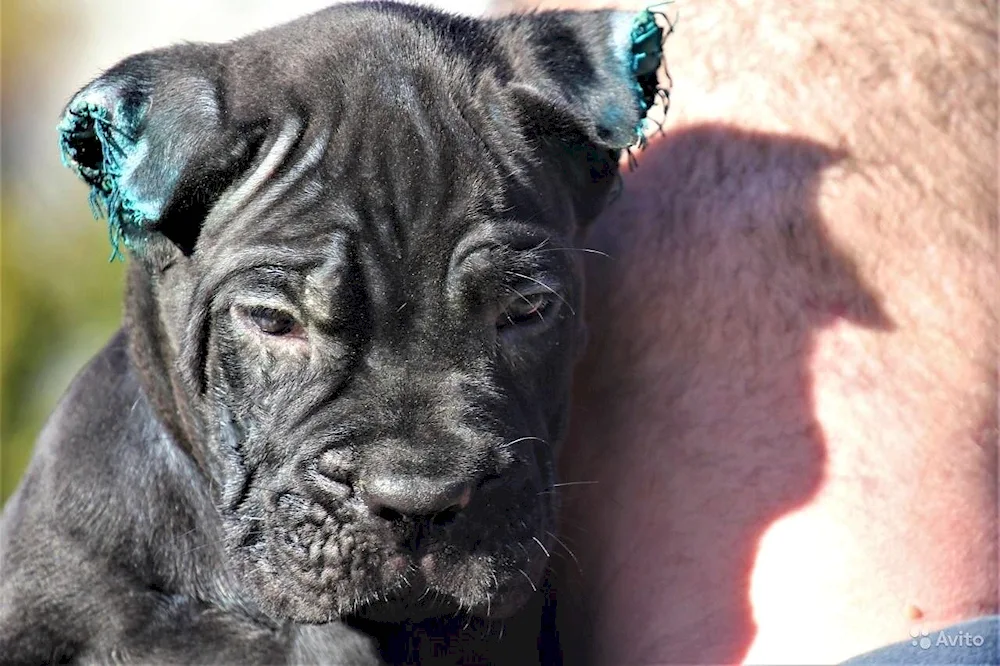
[{"x": 694, "y": 426}]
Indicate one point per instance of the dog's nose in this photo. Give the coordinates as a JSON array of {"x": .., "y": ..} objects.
[{"x": 397, "y": 497}]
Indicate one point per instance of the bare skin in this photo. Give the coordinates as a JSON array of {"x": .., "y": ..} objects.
[{"x": 786, "y": 424}]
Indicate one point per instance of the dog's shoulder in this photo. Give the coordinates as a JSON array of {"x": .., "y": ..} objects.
[
  {"x": 81, "y": 434},
  {"x": 44, "y": 526},
  {"x": 87, "y": 429},
  {"x": 99, "y": 542},
  {"x": 56, "y": 517}
]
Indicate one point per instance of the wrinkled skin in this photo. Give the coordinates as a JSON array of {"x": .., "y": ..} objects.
[
  {"x": 785, "y": 427},
  {"x": 327, "y": 431}
]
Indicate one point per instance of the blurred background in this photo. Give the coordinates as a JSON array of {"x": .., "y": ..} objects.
[{"x": 60, "y": 297}]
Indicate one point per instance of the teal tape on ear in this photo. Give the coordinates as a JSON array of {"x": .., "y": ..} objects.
[
  {"x": 97, "y": 149},
  {"x": 647, "y": 53},
  {"x": 647, "y": 41}
]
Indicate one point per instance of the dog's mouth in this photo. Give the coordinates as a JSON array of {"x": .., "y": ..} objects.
[
  {"x": 310, "y": 562},
  {"x": 446, "y": 581}
]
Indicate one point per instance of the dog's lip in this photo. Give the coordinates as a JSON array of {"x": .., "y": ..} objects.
[{"x": 422, "y": 564}]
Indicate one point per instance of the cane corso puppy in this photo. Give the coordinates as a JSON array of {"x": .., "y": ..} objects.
[{"x": 325, "y": 433}]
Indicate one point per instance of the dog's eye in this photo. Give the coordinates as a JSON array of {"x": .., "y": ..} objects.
[
  {"x": 524, "y": 309},
  {"x": 274, "y": 322}
]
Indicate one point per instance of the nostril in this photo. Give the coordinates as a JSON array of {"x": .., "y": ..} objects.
[
  {"x": 448, "y": 516},
  {"x": 394, "y": 498},
  {"x": 385, "y": 513}
]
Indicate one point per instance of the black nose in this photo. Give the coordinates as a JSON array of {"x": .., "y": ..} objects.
[{"x": 397, "y": 497}]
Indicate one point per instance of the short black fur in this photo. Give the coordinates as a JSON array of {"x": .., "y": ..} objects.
[{"x": 368, "y": 480}]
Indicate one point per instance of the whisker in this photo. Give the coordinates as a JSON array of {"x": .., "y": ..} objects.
[
  {"x": 525, "y": 439},
  {"x": 540, "y": 245},
  {"x": 566, "y": 484},
  {"x": 588, "y": 250},
  {"x": 567, "y": 548},
  {"x": 574, "y": 483},
  {"x": 528, "y": 578},
  {"x": 544, "y": 550}
]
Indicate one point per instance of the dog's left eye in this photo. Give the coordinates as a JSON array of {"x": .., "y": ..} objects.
[
  {"x": 524, "y": 309},
  {"x": 274, "y": 322}
]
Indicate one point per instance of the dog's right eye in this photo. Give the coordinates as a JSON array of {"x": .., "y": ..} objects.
[{"x": 274, "y": 322}]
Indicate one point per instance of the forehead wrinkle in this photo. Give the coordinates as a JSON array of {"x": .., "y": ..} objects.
[
  {"x": 304, "y": 162},
  {"x": 470, "y": 204},
  {"x": 376, "y": 272},
  {"x": 414, "y": 114},
  {"x": 512, "y": 235},
  {"x": 416, "y": 148},
  {"x": 301, "y": 166},
  {"x": 229, "y": 265},
  {"x": 251, "y": 208},
  {"x": 497, "y": 247},
  {"x": 323, "y": 282},
  {"x": 396, "y": 199},
  {"x": 234, "y": 201},
  {"x": 412, "y": 205},
  {"x": 304, "y": 221}
]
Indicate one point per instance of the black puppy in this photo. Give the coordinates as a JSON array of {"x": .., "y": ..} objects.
[{"x": 326, "y": 431}]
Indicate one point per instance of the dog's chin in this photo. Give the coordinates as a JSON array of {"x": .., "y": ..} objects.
[
  {"x": 316, "y": 567},
  {"x": 434, "y": 603},
  {"x": 467, "y": 588}
]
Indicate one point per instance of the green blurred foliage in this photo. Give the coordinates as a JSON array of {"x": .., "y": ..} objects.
[
  {"x": 59, "y": 300},
  {"x": 59, "y": 296}
]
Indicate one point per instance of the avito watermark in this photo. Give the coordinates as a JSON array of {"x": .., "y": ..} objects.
[{"x": 925, "y": 640}]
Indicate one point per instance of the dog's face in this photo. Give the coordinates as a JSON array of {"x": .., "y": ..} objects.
[{"x": 358, "y": 233}]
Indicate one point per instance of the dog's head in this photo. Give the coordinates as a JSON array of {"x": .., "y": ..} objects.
[{"x": 355, "y": 234}]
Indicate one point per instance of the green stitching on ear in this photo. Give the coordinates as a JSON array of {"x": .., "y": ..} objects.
[{"x": 96, "y": 148}]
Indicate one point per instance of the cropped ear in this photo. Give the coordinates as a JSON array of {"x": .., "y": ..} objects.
[
  {"x": 148, "y": 137},
  {"x": 596, "y": 68}
]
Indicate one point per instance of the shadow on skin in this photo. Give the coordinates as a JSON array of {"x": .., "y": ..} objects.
[{"x": 694, "y": 427}]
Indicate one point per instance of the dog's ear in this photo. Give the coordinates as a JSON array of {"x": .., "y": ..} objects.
[
  {"x": 592, "y": 72},
  {"x": 149, "y": 137}
]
